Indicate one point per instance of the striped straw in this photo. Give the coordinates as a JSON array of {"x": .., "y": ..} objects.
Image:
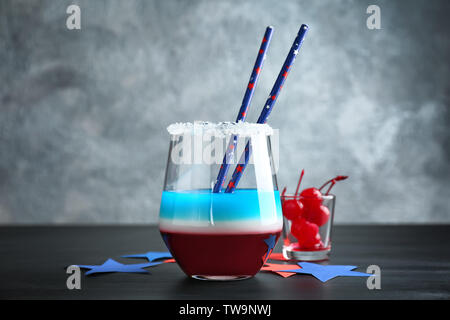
[
  {"x": 237, "y": 174},
  {"x": 244, "y": 108}
]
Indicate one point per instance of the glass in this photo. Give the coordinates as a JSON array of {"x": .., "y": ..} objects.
[
  {"x": 308, "y": 238},
  {"x": 219, "y": 236}
]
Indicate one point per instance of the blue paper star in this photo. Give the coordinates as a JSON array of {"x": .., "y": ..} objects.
[
  {"x": 325, "y": 273},
  {"x": 151, "y": 255},
  {"x": 111, "y": 265},
  {"x": 166, "y": 240},
  {"x": 270, "y": 241}
]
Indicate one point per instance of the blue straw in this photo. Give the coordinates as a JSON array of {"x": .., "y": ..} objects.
[
  {"x": 244, "y": 108},
  {"x": 239, "y": 170}
]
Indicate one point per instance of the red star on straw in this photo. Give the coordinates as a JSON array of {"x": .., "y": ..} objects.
[
  {"x": 261, "y": 51},
  {"x": 258, "y": 70},
  {"x": 285, "y": 74},
  {"x": 243, "y": 114},
  {"x": 275, "y": 267},
  {"x": 273, "y": 97},
  {"x": 239, "y": 168},
  {"x": 231, "y": 184},
  {"x": 251, "y": 85}
]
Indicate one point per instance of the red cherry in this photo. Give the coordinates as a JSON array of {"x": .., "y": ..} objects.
[
  {"x": 307, "y": 233},
  {"x": 311, "y": 198},
  {"x": 292, "y": 209},
  {"x": 317, "y": 215},
  {"x": 311, "y": 193}
]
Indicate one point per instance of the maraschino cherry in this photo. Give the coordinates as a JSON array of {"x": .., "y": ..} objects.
[
  {"x": 311, "y": 198},
  {"x": 318, "y": 215},
  {"x": 307, "y": 233},
  {"x": 293, "y": 208}
]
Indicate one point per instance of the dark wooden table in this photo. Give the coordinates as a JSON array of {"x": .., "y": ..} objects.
[{"x": 414, "y": 262}]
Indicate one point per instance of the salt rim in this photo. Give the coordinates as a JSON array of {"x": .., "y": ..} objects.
[{"x": 221, "y": 129}]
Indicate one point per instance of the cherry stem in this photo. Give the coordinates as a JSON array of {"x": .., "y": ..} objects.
[
  {"x": 283, "y": 192},
  {"x": 299, "y": 182},
  {"x": 333, "y": 181},
  {"x": 325, "y": 184}
]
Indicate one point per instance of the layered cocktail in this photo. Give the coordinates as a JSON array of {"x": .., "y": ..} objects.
[{"x": 219, "y": 235}]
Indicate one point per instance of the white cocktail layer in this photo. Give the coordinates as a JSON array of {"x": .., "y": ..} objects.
[{"x": 230, "y": 227}]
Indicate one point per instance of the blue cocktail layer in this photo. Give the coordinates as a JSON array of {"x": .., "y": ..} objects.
[{"x": 204, "y": 205}]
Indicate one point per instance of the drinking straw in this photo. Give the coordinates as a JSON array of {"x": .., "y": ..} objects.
[
  {"x": 238, "y": 171},
  {"x": 244, "y": 108}
]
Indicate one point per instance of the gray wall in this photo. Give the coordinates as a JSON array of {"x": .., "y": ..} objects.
[{"x": 83, "y": 113}]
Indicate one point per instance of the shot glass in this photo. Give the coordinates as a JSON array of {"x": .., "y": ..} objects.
[{"x": 307, "y": 235}]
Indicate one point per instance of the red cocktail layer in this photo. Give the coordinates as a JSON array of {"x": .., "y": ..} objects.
[{"x": 215, "y": 254}]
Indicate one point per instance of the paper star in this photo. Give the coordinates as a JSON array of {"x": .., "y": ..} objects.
[
  {"x": 166, "y": 240},
  {"x": 111, "y": 265},
  {"x": 277, "y": 256},
  {"x": 325, "y": 273},
  {"x": 270, "y": 241},
  {"x": 151, "y": 255},
  {"x": 275, "y": 267}
]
